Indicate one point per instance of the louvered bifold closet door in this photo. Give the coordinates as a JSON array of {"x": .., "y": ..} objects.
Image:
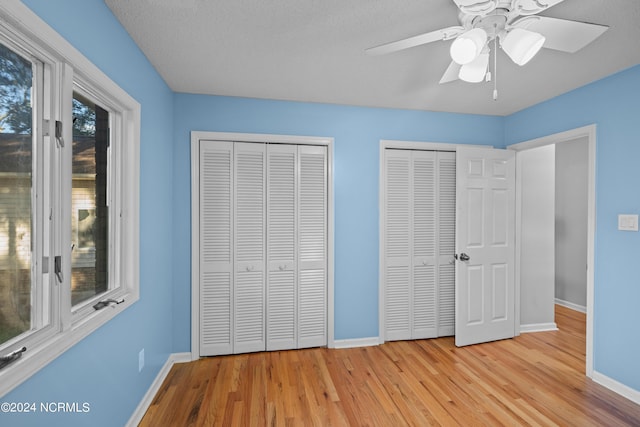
[
  {"x": 216, "y": 248},
  {"x": 419, "y": 237},
  {"x": 249, "y": 289},
  {"x": 312, "y": 246},
  {"x": 423, "y": 232},
  {"x": 446, "y": 242},
  {"x": 398, "y": 242},
  {"x": 281, "y": 247}
]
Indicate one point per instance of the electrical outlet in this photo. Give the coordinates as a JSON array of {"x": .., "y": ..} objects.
[{"x": 141, "y": 360}]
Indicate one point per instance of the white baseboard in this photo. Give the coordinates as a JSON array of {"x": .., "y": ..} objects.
[
  {"x": 538, "y": 327},
  {"x": 572, "y": 306},
  {"x": 358, "y": 342},
  {"x": 144, "y": 404},
  {"x": 623, "y": 390}
]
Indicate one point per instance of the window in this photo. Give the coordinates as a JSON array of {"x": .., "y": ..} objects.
[
  {"x": 16, "y": 141},
  {"x": 69, "y": 190},
  {"x": 89, "y": 200}
]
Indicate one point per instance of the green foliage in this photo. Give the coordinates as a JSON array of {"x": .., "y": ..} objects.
[
  {"x": 16, "y": 77},
  {"x": 16, "y": 81},
  {"x": 10, "y": 331},
  {"x": 84, "y": 119}
]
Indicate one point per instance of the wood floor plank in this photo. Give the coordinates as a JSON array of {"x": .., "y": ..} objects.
[{"x": 536, "y": 379}]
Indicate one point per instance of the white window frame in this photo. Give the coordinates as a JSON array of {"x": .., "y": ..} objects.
[{"x": 64, "y": 70}]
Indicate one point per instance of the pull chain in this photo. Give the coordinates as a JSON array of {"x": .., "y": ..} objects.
[{"x": 495, "y": 68}]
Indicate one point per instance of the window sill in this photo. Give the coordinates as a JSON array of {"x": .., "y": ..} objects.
[{"x": 34, "y": 359}]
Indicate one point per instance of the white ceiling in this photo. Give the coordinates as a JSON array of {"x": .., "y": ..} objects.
[{"x": 313, "y": 50}]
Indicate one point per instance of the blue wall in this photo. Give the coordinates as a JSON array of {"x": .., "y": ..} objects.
[
  {"x": 613, "y": 104},
  {"x": 102, "y": 369},
  {"x": 357, "y": 133}
]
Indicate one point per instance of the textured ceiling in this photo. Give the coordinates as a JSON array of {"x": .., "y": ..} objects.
[{"x": 313, "y": 50}]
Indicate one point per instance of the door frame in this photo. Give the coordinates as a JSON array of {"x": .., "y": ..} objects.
[
  {"x": 588, "y": 132},
  {"x": 196, "y": 136},
  {"x": 398, "y": 145}
]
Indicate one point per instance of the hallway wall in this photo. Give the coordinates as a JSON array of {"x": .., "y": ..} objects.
[{"x": 571, "y": 222}]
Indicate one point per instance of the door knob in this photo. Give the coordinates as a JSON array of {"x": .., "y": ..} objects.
[{"x": 464, "y": 257}]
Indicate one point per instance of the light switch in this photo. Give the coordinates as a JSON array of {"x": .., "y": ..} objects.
[{"x": 628, "y": 222}]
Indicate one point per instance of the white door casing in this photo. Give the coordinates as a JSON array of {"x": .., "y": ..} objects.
[
  {"x": 485, "y": 245},
  {"x": 588, "y": 132}
]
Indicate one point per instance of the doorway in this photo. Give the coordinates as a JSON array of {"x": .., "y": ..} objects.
[{"x": 584, "y": 138}]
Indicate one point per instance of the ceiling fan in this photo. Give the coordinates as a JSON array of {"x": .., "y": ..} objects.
[{"x": 511, "y": 24}]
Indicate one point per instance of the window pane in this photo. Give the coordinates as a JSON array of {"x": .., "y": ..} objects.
[
  {"x": 16, "y": 79},
  {"x": 90, "y": 213}
]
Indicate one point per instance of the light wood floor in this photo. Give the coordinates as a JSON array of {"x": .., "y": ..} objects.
[{"x": 534, "y": 379}]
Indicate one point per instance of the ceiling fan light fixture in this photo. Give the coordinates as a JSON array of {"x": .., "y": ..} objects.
[
  {"x": 521, "y": 45},
  {"x": 476, "y": 70},
  {"x": 468, "y": 46}
]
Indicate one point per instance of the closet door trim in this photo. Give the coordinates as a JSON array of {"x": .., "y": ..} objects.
[{"x": 196, "y": 137}]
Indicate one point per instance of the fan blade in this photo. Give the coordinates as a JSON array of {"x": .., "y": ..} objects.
[
  {"x": 451, "y": 74},
  {"x": 562, "y": 34},
  {"x": 532, "y": 7},
  {"x": 433, "y": 36},
  {"x": 476, "y": 7}
]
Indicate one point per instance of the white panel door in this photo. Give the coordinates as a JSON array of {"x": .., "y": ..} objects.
[
  {"x": 485, "y": 245},
  {"x": 312, "y": 246},
  {"x": 216, "y": 248},
  {"x": 282, "y": 274},
  {"x": 397, "y": 243},
  {"x": 249, "y": 286}
]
